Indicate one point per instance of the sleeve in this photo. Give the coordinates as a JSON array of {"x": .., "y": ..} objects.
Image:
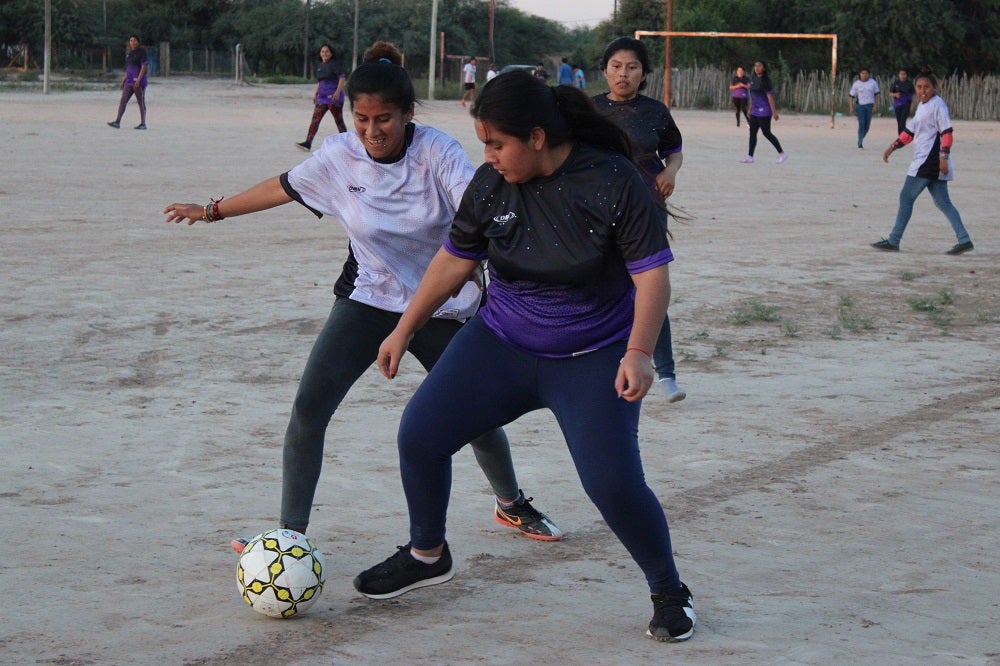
[
  {"x": 313, "y": 183},
  {"x": 670, "y": 140},
  {"x": 942, "y": 118},
  {"x": 467, "y": 238},
  {"x": 639, "y": 233}
]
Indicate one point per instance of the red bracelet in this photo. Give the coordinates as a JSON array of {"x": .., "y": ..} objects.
[{"x": 639, "y": 350}]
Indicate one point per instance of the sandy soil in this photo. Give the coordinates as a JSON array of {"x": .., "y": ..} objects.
[{"x": 831, "y": 479}]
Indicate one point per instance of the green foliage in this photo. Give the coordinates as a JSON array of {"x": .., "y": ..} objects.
[
  {"x": 945, "y": 35},
  {"x": 753, "y": 311}
]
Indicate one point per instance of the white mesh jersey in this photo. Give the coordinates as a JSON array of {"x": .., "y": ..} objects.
[{"x": 396, "y": 215}]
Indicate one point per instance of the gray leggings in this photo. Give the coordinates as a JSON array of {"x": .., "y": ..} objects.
[{"x": 345, "y": 349}]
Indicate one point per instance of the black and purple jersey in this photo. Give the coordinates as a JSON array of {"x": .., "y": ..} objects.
[
  {"x": 651, "y": 129},
  {"x": 561, "y": 251},
  {"x": 760, "y": 88},
  {"x": 134, "y": 60},
  {"x": 329, "y": 75}
]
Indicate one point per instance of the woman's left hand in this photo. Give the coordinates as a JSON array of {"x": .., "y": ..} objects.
[{"x": 635, "y": 376}]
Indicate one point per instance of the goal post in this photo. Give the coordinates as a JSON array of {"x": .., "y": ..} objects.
[{"x": 755, "y": 35}]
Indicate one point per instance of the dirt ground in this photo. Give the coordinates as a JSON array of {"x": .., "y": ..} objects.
[{"x": 831, "y": 480}]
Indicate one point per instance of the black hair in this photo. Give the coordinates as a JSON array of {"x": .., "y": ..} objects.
[
  {"x": 332, "y": 52},
  {"x": 927, "y": 74},
  {"x": 516, "y": 102},
  {"x": 765, "y": 78},
  {"x": 629, "y": 44},
  {"x": 381, "y": 73}
]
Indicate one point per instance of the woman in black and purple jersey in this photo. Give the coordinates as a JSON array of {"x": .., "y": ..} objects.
[
  {"x": 578, "y": 291},
  {"x": 329, "y": 95},
  {"x": 133, "y": 83},
  {"x": 762, "y": 110},
  {"x": 656, "y": 149}
]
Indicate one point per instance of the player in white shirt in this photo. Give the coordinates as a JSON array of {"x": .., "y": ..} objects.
[
  {"x": 469, "y": 80},
  {"x": 395, "y": 187},
  {"x": 864, "y": 95},
  {"x": 931, "y": 134}
]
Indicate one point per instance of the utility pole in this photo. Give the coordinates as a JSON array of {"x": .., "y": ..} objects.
[
  {"x": 354, "y": 60},
  {"x": 666, "y": 54},
  {"x": 47, "y": 67},
  {"x": 305, "y": 52},
  {"x": 492, "y": 21},
  {"x": 431, "y": 74}
]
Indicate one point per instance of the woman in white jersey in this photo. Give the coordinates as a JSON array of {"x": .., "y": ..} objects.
[
  {"x": 931, "y": 134},
  {"x": 395, "y": 187}
]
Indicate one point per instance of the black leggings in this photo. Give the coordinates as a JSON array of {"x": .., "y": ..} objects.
[
  {"x": 740, "y": 104},
  {"x": 764, "y": 125}
]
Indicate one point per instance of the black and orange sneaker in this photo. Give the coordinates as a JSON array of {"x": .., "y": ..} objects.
[{"x": 533, "y": 523}]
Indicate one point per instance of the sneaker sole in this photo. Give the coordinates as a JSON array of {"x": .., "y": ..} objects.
[
  {"x": 536, "y": 537},
  {"x": 671, "y": 639},
  {"x": 676, "y": 397},
  {"x": 427, "y": 582}
]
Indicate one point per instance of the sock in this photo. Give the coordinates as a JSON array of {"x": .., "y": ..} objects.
[
  {"x": 424, "y": 558},
  {"x": 504, "y": 504}
]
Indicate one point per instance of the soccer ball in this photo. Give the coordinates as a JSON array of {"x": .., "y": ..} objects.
[{"x": 280, "y": 573}]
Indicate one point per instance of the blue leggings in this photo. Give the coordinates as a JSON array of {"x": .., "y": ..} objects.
[{"x": 481, "y": 382}]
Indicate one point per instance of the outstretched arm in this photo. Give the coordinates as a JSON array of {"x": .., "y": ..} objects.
[{"x": 261, "y": 196}]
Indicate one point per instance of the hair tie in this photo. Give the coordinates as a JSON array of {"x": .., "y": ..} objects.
[{"x": 385, "y": 60}]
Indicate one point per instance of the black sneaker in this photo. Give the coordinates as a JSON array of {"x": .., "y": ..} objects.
[
  {"x": 673, "y": 616},
  {"x": 960, "y": 248},
  {"x": 884, "y": 244},
  {"x": 115, "y": 124},
  {"x": 140, "y": 126},
  {"x": 402, "y": 573},
  {"x": 533, "y": 523},
  {"x": 305, "y": 145}
]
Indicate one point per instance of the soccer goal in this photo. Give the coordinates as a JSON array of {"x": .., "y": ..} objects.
[{"x": 756, "y": 35}]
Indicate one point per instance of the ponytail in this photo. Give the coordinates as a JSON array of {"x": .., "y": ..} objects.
[{"x": 517, "y": 102}]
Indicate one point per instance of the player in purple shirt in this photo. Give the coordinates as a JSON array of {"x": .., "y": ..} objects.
[
  {"x": 762, "y": 110},
  {"x": 133, "y": 83},
  {"x": 329, "y": 95},
  {"x": 578, "y": 290}
]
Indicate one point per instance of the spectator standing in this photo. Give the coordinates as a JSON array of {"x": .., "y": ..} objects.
[{"x": 565, "y": 73}]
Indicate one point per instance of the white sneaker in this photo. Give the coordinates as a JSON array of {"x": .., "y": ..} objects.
[
  {"x": 782, "y": 157},
  {"x": 670, "y": 389},
  {"x": 747, "y": 160}
]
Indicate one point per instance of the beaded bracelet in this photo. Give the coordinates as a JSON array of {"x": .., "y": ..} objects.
[{"x": 211, "y": 212}]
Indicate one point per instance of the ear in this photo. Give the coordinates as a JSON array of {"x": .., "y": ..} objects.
[
  {"x": 408, "y": 116},
  {"x": 537, "y": 138}
]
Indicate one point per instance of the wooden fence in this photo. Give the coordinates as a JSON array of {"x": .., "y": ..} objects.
[{"x": 968, "y": 97}]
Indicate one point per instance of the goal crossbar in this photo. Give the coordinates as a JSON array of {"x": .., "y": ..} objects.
[{"x": 754, "y": 35}]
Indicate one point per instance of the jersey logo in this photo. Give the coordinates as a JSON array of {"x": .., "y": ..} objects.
[
  {"x": 505, "y": 218},
  {"x": 355, "y": 188}
]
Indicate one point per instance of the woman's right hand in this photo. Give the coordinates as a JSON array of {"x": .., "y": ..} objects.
[
  {"x": 178, "y": 212},
  {"x": 390, "y": 353}
]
